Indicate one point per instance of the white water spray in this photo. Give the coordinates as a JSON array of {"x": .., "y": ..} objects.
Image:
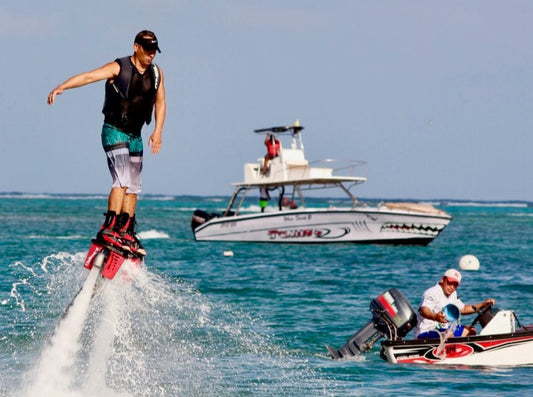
[
  {"x": 52, "y": 374},
  {"x": 444, "y": 336},
  {"x": 143, "y": 335}
]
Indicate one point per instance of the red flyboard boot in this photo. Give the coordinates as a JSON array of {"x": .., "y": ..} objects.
[
  {"x": 126, "y": 231},
  {"x": 99, "y": 242},
  {"x": 111, "y": 234}
]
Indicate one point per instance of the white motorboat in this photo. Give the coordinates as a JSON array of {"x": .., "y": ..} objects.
[
  {"x": 290, "y": 220},
  {"x": 499, "y": 343}
]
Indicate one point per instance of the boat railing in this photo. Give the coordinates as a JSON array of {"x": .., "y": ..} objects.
[{"x": 342, "y": 168}]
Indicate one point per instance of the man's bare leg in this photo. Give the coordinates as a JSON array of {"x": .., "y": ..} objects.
[
  {"x": 129, "y": 204},
  {"x": 265, "y": 165},
  {"x": 116, "y": 199}
]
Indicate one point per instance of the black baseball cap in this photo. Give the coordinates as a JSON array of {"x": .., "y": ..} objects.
[{"x": 148, "y": 43}]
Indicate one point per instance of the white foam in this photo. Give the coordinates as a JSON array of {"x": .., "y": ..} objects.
[
  {"x": 152, "y": 234},
  {"x": 53, "y": 373},
  {"x": 141, "y": 335}
]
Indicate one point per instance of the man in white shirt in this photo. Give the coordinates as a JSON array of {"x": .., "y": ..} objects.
[{"x": 431, "y": 318}]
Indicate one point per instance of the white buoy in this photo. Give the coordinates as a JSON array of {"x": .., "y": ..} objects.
[
  {"x": 469, "y": 262},
  {"x": 228, "y": 253}
]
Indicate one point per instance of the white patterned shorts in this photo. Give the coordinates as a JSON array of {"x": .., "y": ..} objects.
[{"x": 124, "y": 154}]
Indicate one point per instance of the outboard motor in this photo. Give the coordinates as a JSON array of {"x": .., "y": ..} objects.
[
  {"x": 200, "y": 217},
  {"x": 392, "y": 317}
]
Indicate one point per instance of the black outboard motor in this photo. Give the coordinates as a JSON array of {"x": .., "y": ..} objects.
[
  {"x": 392, "y": 317},
  {"x": 200, "y": 217}
]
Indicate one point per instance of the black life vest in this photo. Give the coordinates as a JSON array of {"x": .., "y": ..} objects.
[{"x": 130, "y": 97}]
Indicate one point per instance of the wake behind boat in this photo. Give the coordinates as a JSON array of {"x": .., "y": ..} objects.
[
  {"x": 289, "y": 174},
  {"x": 499, "y": 343}
]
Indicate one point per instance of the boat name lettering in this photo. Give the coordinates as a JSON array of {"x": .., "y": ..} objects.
[
  {"x": 228, "y": 224},
  {"x": 301, "y": 217},
  {"x": 294, "y": 233},
  {"x": 309, "y": 234}
]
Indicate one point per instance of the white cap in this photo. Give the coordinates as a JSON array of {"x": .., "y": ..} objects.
[{"x": 453, "y": 275}]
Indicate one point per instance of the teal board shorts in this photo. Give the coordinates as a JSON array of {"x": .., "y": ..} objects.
[{"x": 124, "y": 154}]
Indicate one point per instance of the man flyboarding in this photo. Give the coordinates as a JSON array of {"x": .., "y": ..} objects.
[{"x": 133, "y": 90}]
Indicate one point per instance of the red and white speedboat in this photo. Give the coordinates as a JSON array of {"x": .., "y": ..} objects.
[{"x": 502, "y": 340}]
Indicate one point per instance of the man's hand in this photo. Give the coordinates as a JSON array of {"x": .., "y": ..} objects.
[
  {"x": 440, "y": 317},
  {"x": 53, "y": 93},
  {"x": 155, "y": 142}
]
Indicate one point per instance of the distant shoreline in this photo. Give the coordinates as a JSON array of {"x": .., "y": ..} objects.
[{"x": 177, "y": 197}]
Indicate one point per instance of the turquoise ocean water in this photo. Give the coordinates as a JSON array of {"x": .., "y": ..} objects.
[{"x": 194, "y": 322}]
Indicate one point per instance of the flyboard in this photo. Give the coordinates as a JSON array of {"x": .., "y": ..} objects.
[
  {"x": 105, "y": 258},
  {"x": 109, "y": 258}
]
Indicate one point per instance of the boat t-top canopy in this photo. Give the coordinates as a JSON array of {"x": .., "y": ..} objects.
[{"x": 294, "y": 129}]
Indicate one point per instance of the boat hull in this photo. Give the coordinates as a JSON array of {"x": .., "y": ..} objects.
[
  {"x": 366, "y": 225},
  {"x": 490, "y": 350}
]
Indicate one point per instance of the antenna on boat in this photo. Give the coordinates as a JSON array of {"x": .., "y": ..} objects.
[{"x": 296, "y": 128}]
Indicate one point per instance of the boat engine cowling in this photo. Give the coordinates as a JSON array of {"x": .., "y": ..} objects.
[
  {"x": 200, "y": 217},
  {"x": 392, "y": 317}
]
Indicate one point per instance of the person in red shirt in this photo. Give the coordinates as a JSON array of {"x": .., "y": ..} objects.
[{"x": 273, "y": 146}]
